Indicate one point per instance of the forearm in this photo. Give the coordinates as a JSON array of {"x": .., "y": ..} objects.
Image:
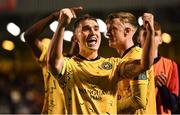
[
  {"x": 130, "y": 69},
  {"x": 137, "y": 100},
  {"x": 35, "y": 30},
  {"x": 32, "y": 35},
  {"x": 54, "y": 56},
  {"x": 148, "y": 51},
  {"x": 133, "y": 68},
  {"x": 129, "y": 105}
]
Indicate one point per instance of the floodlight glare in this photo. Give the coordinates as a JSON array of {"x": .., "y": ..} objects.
[{"x": 13, "y": 29}]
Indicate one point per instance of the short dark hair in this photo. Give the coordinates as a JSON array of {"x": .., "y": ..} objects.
[
  {"x": 157, "y": 26},
  {"x": 84, "y": 17}
]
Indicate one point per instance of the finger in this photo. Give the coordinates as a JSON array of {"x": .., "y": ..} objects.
[
  {"x": 145, "y": 22},
  {"x": 147, "y": 18},
  {"x": 163, "y": 76},
  {"x": 75, "y": 10},
  {"x": 161, "y": 80},
  {"x": 158, "y": 83},
  {"x": 73, "y": 13}
]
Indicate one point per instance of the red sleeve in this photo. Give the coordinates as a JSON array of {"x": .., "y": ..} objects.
[{"x": 174, "y": 85}]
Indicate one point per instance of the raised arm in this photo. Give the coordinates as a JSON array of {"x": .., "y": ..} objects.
[
  {"x": 74, "y": 50},
  {"x": 54, "y": 56},
  {"x": 135, "y": 67},
  {"x": 149, "y": 44},
  {"x": 32, "y": 33}
]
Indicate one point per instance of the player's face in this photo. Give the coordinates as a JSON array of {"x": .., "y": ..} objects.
[
  {"x": 88, "y": 35},
  {"x": 158, "y": 39},
  {"x": 115, "y": 32},
  {"x": 142, "y": 38}
]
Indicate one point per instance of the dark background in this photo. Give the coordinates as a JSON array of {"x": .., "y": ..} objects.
[{"x": 21, "y": 83}]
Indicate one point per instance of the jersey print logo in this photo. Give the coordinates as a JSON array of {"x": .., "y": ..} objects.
[
  {"x": 106, "y": 65},
  {"x": 141, "y": 76}
]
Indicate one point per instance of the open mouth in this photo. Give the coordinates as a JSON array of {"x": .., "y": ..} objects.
[{"x": 92, "y": 40}]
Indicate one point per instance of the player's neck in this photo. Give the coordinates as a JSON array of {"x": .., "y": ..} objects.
[
  {"x": 156, "y": 53},
  {"x": 89, "y": 55},
  {"x": 124, "y": 47}
]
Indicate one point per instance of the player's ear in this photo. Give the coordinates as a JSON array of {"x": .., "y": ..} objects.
[
  {"x": 74, "y": 38},
  {"x": 138, "y": 39},
  {"x": 126, "y": 31},
  {"x": 160, "y": 39}
]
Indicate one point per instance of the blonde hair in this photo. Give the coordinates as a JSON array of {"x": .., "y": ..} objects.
[{"x": 124, "y": 17}]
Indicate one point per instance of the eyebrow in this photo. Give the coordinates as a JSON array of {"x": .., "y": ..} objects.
[{"x": 87, "y": 26}]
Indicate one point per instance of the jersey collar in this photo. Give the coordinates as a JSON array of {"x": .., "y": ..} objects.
[
  {"x": 157, "y": 58},
  {"x": 127, "y": 51},
  {"x": 83, "y": 58}
]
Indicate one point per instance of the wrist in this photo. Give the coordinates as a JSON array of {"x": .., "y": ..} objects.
[{"x": 52, "y": 17}]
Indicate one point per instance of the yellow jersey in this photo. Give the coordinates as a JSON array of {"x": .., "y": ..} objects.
[
  {"x": 89, "y": 87},
  {"x": 137, "y": 96},
  {"x": 54, "y": 98}
]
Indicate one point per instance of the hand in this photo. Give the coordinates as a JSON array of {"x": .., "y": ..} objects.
[
  {"x": 148, "y": 22},
  {"x": 55, "y": 15},
  {"x": 160, "y": 80},
  {"x": 67, "y": 14}
]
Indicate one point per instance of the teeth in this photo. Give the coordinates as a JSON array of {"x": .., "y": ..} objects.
[{"x": 92, "y": 39}]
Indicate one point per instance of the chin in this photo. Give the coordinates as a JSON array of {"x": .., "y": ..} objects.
[
  {"x": 111, "y": 45},
  {"x": 93, "y": 48}
]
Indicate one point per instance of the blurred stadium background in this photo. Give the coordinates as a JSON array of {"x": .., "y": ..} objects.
[{"x": 21, "y": 83}]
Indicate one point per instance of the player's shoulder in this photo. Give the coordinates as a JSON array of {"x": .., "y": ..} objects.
[
  {"x": 167, "y": 59},
  {"x": 113, "y": 59},
  {"x": 137, "y": 48},
  {"x": 135, "y": 53}
]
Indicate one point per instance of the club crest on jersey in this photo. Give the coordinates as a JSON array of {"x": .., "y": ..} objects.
[{"x": 106, "y": 65}]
